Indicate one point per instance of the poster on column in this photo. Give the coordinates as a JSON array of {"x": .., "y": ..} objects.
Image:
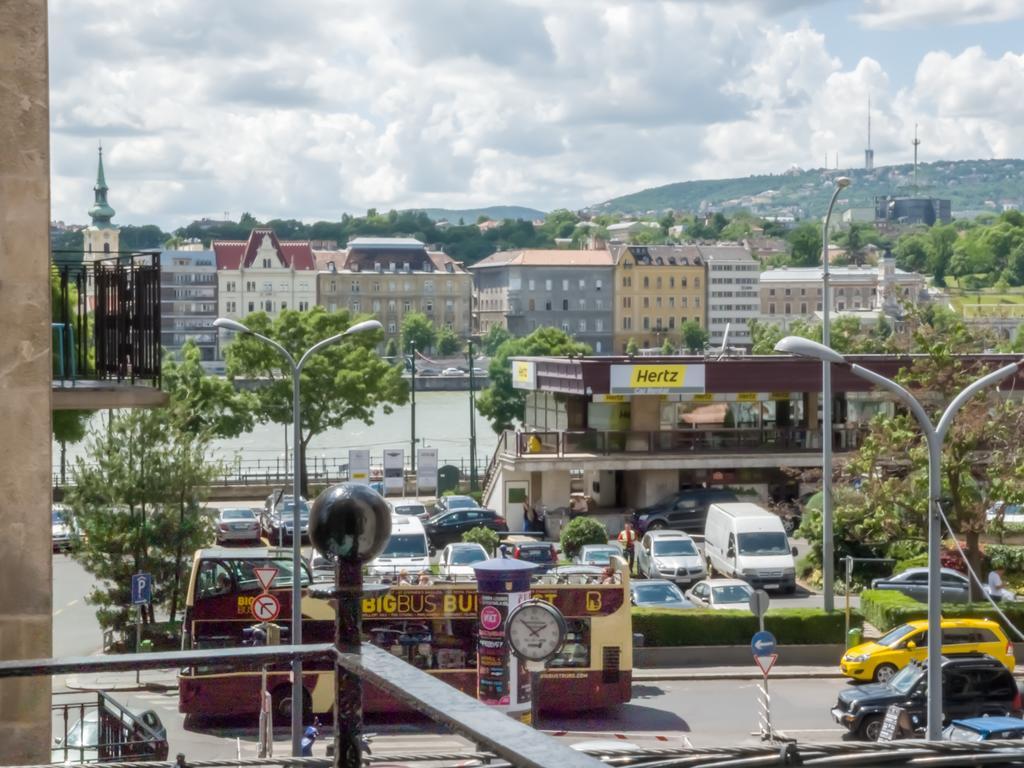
[
  {"x": 394, "y": 471},
  {"x": 359, "y": 466},
  {"x": 499, "y": 672},
  {"x": 426, "y": 470}
]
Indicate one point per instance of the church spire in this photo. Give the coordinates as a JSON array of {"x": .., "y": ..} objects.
[{"x": 101, "y": 212}]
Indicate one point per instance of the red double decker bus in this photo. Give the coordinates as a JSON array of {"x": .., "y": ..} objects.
[{"x": 431, "y": 626}]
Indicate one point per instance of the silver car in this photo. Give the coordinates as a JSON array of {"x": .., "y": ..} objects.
[
  {"x": 670, "y": 555},
  {"x": 597, "y": 554},
  {"x": 913, "y": 582},
  {"x": 237, "y": 524}
]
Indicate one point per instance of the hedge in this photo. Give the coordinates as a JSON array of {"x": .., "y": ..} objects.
[
  {"x": 887, "y": 608},
  {"x": 702, "y": 626}
]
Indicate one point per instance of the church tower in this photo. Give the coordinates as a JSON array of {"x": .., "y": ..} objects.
[{"x": 100, "y": 239}]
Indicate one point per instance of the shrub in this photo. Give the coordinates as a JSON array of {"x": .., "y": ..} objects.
[
  {"x": 918, "y": 561},
  {"x": 582, "y": 530},
  {"x": 1005, "y": 556},
  {"x": 483, "y": 536},
  {"x": 886, "y": 608},
  {"x": 791, "y": 626}
]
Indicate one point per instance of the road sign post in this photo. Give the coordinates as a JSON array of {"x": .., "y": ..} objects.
[
  {"x": 759, "y": 603},
  {"x": 763, "y": 645},
  {"x": 142, "y": 594}
]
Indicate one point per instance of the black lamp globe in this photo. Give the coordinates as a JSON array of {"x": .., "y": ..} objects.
[{"x": 349, "y": 523}]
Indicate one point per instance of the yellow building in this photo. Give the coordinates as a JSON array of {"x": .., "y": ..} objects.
[{"x": 657, "y": 289}]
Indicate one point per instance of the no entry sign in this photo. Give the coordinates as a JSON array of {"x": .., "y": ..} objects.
[{"x": 266, "y": 607}]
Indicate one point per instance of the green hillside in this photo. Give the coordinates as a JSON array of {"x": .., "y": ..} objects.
[
  {"x": 494, "y": 212},
  {"x": 971, "y": 185}
]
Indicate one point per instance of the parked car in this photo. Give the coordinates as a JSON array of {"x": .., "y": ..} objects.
[
  {"x": 1008, "y": 513},
  {"x": 541, "y": 553},
  {"x": 409, "y": 506},
  {"x": 670, "y": 555},
  {"x": 880, "y": 659},
  {"x": 721, "y": 594},
  {"x": 237, "y": 524},
  {"x": 973, "y": 685},
  {"x": 407, "y": 550},
  {"x": 913, "y": 582},
  {"x": 279, "y": 522},
  {"x": 428, "y": 372},
  {"x": 453, "y": 372},
  {"x": 123, "y": 735},
  {"x": 597, "y": 554},
  {"x": 684, "y": 510},
  {"x": 457, "y": 560},
  {"x": 449, "y": 503},
  {"x": 63, "y": 525},
  {"x": 746, "y": 541},
  {"x": 479, "y": 371},
  {"x": 984, "y": 729},
  {"x": 448, "y": 527},
  {"x": 657, "y": 593}
]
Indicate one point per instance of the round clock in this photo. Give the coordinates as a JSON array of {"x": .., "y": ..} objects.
[{"x": 535, "y": 630}]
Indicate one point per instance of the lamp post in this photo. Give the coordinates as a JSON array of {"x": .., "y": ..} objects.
[
  {"x": 935, "y": 436},
  {"x": 827, "y": 547},
  {"x": 472, "y": 420},
  {"x": 296, "y": 368},
  {"x": 412, "y": 425}
]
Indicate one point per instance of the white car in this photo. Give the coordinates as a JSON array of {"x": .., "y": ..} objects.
[
  {"x": 64, "y": 531},
  {"x": 670, "y": 555},
  {"x": 721, "y": 594},
  {"x": 453, "y": 372},
  {"x": 597, "y": 554},
  {"x": 457, "y": 560}
]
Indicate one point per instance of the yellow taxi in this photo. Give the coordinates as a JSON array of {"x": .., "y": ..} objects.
[{"x": 880, "y": 659}]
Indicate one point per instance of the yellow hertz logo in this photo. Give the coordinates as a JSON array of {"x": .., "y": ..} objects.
[
  {"x": 522, "y": 372},
  {"x": 657, "y": 376}
]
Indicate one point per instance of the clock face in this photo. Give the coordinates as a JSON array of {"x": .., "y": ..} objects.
[{"x": 536, "y": 631}]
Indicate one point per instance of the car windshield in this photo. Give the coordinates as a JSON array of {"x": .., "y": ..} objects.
[
  {"x": 84, "y": 733},
  {"x": 904, "y": 680},
  {"x": 58, "y": 517},
  {"x": 602, "y": 556},
  {"x": 459, "y": 502},
  {"x": 538, "y": 554},
  {"x": 657, "y": 593},
  {"x": 410, "y": 509},
  {"x": 732, "y": 593},
  {"x": 246, "y": 578},
  {"x": 288, "y": 507},
  {"x": 674, "y": 547},
  {"x": 237, "y": 514},
  {"x": 467, "y": 556},
  {"x": 763, "y": 543},
  {"x": 893, "y": 636},
  {"x": 405, "y": 545}
]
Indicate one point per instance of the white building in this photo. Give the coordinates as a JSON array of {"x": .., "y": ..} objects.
[{"x": 733, "y": 277}]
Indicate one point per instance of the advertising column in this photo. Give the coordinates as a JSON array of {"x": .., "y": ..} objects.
[{"x": 502, "y": 679}]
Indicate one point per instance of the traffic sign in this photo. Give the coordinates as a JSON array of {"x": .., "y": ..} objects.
[
  {"x": 766, "y": 662},
  {"x": 758, "y": 602},
  {"x": 142, "y": 589},
  {"x": 266, "y": 607},
  {"x": 762, "y": 643},
  {"x": 265, "y": 575}
]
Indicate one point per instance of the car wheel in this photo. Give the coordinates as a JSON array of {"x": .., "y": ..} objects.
[
  {"x": 870, "y": 727},
  {"x": 884, "y": 673},
  {"x": 281, "y": 704},
  {"x": 657, "y": 525}
]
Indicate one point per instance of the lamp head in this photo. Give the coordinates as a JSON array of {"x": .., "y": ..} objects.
[
  {"x": 843, "y": 181},
  {"x": 228, "y": 324},
  {"x": 801, "y": 347},
  {"x": 366, "y": 325}
]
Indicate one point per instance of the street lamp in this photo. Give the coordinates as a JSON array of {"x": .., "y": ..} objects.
[
  {"x": 935, "y": 436},
  {"x": 227, "y": 324},
  {"x": 827, "y": 546}
]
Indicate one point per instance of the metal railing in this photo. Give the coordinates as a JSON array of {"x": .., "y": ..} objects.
[{"x": 106, "y": 317}]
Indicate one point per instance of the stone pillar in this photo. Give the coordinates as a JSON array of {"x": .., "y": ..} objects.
[{"x": 25, "y": 374}]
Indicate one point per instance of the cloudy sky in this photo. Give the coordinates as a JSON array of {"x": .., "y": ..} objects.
[{"x": 310, "y": 108}]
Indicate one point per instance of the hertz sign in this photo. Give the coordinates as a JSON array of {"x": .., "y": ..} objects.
[{"x": 656, "y": 379}]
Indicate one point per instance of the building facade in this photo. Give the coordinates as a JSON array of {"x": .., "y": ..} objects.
[
  {"x": 657, "y": 289},
  {"x": 188, "y": 302},
  {"x": 389, "y": 277},
  {"x": 530, "y": 289},
  {"x": 733, "y": 300},
  {"x": 263, "y": 274}
]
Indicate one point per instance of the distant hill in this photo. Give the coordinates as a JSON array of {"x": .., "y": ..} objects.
[
  {"x": 495, "y": 212},
  {"x": 972, "y": 185}
]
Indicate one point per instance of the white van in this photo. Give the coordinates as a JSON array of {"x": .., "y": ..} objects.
[
  {"x": 406, "y": 550},
  {"x": 748, "y": 542}
]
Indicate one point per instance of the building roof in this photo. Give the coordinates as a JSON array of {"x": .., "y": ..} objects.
[
  {"x": 548, "y": 257},
  {"x": 726, "y": 252},
  {"x": 233, "y": 254},
  {"x": 661, "y": 255},
  {"x": 386, "y": 243},
  {"x": 190, "y": 256},
  {"x": 813, "y": 274},
  {"x": 361, "y": 258}
]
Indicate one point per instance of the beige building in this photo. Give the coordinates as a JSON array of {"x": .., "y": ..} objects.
[
  {"x": 389, "y": 277},
  {"x": 657, "y": 289}
]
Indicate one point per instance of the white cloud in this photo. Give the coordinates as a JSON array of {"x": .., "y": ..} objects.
[{"x": 902, "y": 14}]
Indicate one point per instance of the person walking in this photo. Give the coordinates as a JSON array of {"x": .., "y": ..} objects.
[{"x": 627, "y": 538}]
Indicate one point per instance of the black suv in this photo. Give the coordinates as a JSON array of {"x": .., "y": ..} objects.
[
  {"x": 684, "y": 510},
  {"x": 973, "y": 685}
]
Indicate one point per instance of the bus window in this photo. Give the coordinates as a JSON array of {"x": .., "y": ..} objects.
[
  {"x": 242, "y": 570},
  {"x": 576, "y": 650},
  {"x": 214, "y": 579}
]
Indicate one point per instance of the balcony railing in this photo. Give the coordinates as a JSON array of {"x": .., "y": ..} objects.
[
  {"x": 677, "y": 441},
  {"x": 106, "y": 317}
]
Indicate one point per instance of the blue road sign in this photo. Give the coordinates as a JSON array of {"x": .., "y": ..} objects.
[
  {"x": 142, "y": 589},
  {"x": 763, "y": 643}
]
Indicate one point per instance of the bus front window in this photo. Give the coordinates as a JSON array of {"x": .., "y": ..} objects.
[{"x": 214, "y": 579}]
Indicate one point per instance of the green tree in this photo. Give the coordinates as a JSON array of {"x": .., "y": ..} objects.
[
  {"x": 343, "y": 382},
  {"x": 500, "y": 402},
  {"x": 483, "y": 536},
  {"x": 632, "y": 347},
  {"x": 667, "y": 348},
  {"x": 69, "y": 427},
  {"x": 448, "y": 343},
  {"x": 942, "y": 239},
  {"x": 695, "y": 338},
  {"x": 496, "y": 336},
  {"x": 764, "y": 336},
  {"x": 580, "y": 532},
  {"x": 805, "y": 245},
  {"x": 391, "y": 349},
  {"x": 418, "y": 331},
  {"x": 202, "y": 405},
  {"x": 913, "y": 252}
]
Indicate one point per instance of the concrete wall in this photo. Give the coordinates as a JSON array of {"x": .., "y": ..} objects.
[
  {"x": 647, "y": 486},
  {"x": 25, "y": 560}
]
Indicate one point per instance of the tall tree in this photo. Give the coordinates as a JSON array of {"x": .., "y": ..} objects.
[
  {"x": 344, "y": 382},
  {"x": 69, "y": 427},
  {"x": 448, "y": 343},
  {"x": 805, "y": 245},
  {"x": 695, "y": 338},
  {"x": 419, "y": 331},
  {"x": 496, "y": 336}
]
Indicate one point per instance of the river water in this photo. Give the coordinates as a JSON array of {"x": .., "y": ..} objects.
[{"x": 442, "y": 422}]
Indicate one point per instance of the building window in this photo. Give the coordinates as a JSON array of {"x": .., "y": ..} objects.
[
  {"x": 231, "y": 307},
  {"x": 672, "y": 301},
  {"x": 657, "y": 301},
  {"x": 376, "y": 306},
  {"x": 771, "y": 291},
  {"x": 266, "y": 263},
  {"x": 428, "y": 286},
  {"x": 565, "y": 328},
  {"x": 657, "y": 283},
  {"x": 356, "y": 306},
  {"x": 583, "y": 285},
  {"x": 788, "y": 292},
  {"x": 583, "y": 326},
  {"x": 530, "y": 305},
  {"x": 789, "y": 311},
  {"x": 771, "y": 311},
  {"x": 647, "y": 323},
  {"x": 696, "y": 301},
  {"x": 547, "y": 285},
  {"x": 597, "y": 347},
  {"x": 671, "y": 282},
  {"x": 803, "y": 308},
  {"x": 334, "y": 286},
  {"x": 683, "y": 302},
  {"x": 230, "y": 286},
  {"x": 406, "y": 305},
  {"x": 252, "y": 306},
  {"x": 647, "y": 302},
  {"x": 599, "y": 324},
  {"x": 565, "y": 305},
  {"x": 547, "y": 305},
  {"x": 682, "y": 282},
  {"x": 303, "y": 306},
  {"x": 565, "y": 285},
  {"x": 597, "y": 285},
  {"x": 375, "y": 286},
  {"x": 647, "y": 282},
  {"x": 392, "y": 328},
  {"x": 429, "y": 306},
  {"x": 696, "y": 282},
  {"x": 355, "y": 286},
  {"x": 532, "y": 284},
  {"x": 284, "y": 305},
  {"x": 582, "y": 305}
]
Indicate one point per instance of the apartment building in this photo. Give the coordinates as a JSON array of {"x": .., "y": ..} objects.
[
  {"x": 657, "y": 289},
  {"x": 529, "y": 289},
  {"x": 733, "y": 298},
  {"x": 389, "y": 277},
  {"x": 188, "y": 301}
]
